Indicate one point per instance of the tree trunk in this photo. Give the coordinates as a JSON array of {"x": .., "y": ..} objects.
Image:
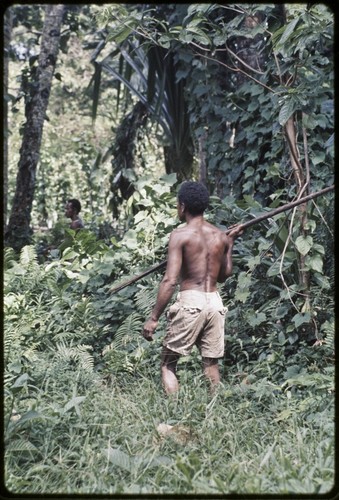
[
  {"x": 123, "y": 151},
  {"x": 301, "y": 180},
  {"x": 179, "y": 161},
  {"x": 18, "y": 231},
  {"x": 7, "y": 39}
]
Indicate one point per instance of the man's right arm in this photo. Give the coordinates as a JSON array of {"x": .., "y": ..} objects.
[{"x": 167, "y": 285}]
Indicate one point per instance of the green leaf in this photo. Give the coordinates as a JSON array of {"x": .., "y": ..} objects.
[
  {"x": 27, "y": 417},
  {"x": 70, "y": 274},
  {"x": 287, "y": 110},
  {"x": 322, "y": 281},
  {"x": 330, "y": 142},
  {"x": 69, "y": 253},
  {"x": 281, "y": 338},
  {"x": 84, "y": 275},
  {"x": 169, "y": 179},
  {"x": 301, "y": 318},
  {"x": 309, "y": 122},
  {"x": 319, "y": 380},
  {"x": 311, "y": 226},
  {"x": 200, "y": 8},
  {"x": 256, "y": 319},
  {"x": 281, "y": 311},
  {"x": 119, "y": 35},
  {"x": 253, "y": 262},
  {"x": 315, "y": 263},
  {"x": 74, "y": 403},
  {"x": 17, "y": 270},
  {"x": 120, "y": 459},
  {"x": 274, "y": 269},
  {"x": 16, "y": 368},
  {"x": 219, "y": 39},
  {"x": 243, "y": 289},
  {"x": 251, "y": 202},
  {"x": 304, "y": 244},
  {"x": 319, "y": 248},
  {"x": 22, "y": 380},
  {"x": 221, "y": 485},
  {"x": 199, "y": 35},
  {"x": 318, "y": 158},
  {"x": 293, "y": 337},
  {"x": 288, "y": 32}
]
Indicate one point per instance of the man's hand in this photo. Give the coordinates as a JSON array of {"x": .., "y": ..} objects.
[
  {"x": 235, "y": 230},
  {"x": 149, "y": 328}
]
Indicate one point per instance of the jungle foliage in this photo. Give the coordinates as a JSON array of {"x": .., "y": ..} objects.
[
  {"x": 84, "y": 409},
  {"x": 79, "y": 376}
]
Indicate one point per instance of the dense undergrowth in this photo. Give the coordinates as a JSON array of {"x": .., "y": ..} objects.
[{"x": 83, "y": 397}]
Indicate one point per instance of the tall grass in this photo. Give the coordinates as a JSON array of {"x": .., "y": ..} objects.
[
  {"x": 108, "y": 440},
  {"x": 85, "y": 412}
]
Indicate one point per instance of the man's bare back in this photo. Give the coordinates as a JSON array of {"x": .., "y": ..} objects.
[{"x": 204, "y": 254}]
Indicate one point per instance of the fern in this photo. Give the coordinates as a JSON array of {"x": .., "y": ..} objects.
[
  {"x": 8, "y": 342},
  {"x": 20, "y": 446},
  {"x": 84, "y": 358},
  {"x": 26, "y": 274},
  {"x": 78, "y": 353},
  {"x": 28, "y": 257},
  {"x": 126, "y": 333},
  {"x": 9, "y": 258},
  {"x": 328, "y": 332},
  {"x": 9, "y": 379},
  {"x": 31, "y": 354},
  {"x": 145, "y": 299}
]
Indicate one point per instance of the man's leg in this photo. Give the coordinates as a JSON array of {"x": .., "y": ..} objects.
[
  {"x": 211, "y": 370},
  {"x": 169, "y": 360}
]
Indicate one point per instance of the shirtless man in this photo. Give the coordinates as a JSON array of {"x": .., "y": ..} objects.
[
  {"x": 72, "y": 209},
  {"x": 199, "y": 255}
]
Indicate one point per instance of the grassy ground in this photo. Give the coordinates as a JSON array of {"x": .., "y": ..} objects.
[{"x": 108, "y": 439}]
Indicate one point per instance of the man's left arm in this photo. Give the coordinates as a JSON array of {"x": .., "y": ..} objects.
[
  {"x": 167, "y": 285},
  {"x": 226, "y": 268}
]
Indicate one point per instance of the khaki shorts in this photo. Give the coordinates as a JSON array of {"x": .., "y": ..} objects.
[{"x": 196, "y": 318}]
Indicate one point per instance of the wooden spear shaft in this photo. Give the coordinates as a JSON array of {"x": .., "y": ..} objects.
[{"x": 245, "y": 225}]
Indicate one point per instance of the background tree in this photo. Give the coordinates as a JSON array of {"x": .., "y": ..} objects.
[
  {"x": 7, "y": 38},
  {"x": 18, "y": 231}
]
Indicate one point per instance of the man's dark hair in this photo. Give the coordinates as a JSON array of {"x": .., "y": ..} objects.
[
  {"x": 195, "y": 197},
  {"x": 75, "y": 204}
]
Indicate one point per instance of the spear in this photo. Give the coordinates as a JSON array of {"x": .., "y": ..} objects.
[{"x": 245, "y": 225}]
